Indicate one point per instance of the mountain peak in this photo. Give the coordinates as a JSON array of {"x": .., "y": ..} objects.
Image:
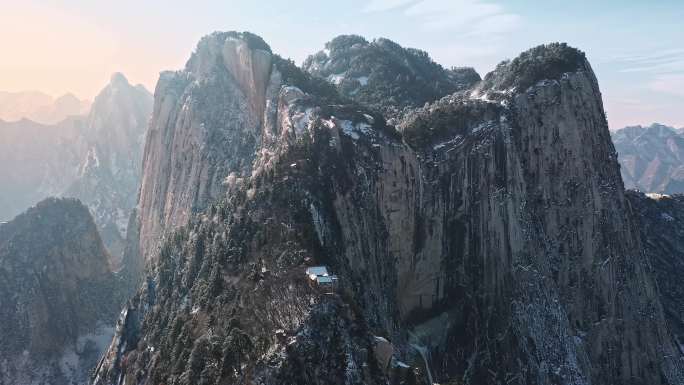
[
  {"x": 221, "y": 47},
  {"x": 544, "y": 62},
  {"x": 118, "y": 78},
  {"x": 385, "y": 75}
]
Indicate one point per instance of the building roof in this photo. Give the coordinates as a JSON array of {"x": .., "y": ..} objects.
[
  {"x": 317, "y": 271},
  {"x": 322, "y": 279}
]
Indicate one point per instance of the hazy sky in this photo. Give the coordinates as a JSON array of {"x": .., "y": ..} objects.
[{"x": 635, "y": 47}]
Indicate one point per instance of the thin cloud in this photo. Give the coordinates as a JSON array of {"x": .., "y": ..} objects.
[
  {"x": 385, "y": 5},
  {"x": 665, "y": 67},
  {"x": 497, "y": 24},
  {"x": 470, "y": 17},
  {"x": 658, "y": 62},
  {"x": 657, "y": 56}
]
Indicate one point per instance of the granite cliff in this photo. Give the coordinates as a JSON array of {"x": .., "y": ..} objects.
[
  {"x": 484, "y": 238},
  {"x": 662, "y": 230}
]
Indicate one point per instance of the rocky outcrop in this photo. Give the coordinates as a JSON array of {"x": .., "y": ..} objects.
[
  {"x": 382, "y": 74},
  {"x": 651, "y": 158},
  {"x": 206, "y": 125},
  {"x": 487, "y": 236},
  {"x": 58, "y": 298}
]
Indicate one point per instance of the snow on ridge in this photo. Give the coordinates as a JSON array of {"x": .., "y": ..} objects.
[
  {"x": 656, "y": 196},
  {"x": 336, "y": 79}
]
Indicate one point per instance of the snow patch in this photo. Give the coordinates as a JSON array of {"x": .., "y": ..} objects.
[
  {"x": 657, "y": 197},
  {"x": 348, "y": 129},
  {"x": 336, "y": 79},
  {"x": 666, "y": 217},
  {"x": 301, "y": 121},
  {"x": 456, "y": 140},
  {"x": 353, "y": 130}
]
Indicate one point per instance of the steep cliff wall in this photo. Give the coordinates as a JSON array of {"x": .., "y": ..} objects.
[
  {"x": 660, "y": 221},
  {"x": 487, "y": 236},
  {"x": 206, "y": 124}
]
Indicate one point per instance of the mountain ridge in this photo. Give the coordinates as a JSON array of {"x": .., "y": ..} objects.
[
  {"x": 40, "y": 107},
  {"x": 652, "y": 158},
  {"x": 488, "y": 231}
]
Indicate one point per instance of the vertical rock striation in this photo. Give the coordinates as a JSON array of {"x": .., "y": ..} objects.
[
  {"x": 206, "y": 124},
  {"x": 660, "y": 223}
]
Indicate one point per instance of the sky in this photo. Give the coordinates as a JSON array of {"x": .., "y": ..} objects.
[{"x": 635, "y": 47}]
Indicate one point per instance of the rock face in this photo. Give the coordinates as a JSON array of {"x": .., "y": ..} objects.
[
  {"x": 96, "y": 159},
  {"x": 382, "y": 74},
  {"x": 661, "y": 220},
  {"x": 487, "y": 236},
  {"x": 651, "y": 158},
  {"x": 58, "y": 298},
  {"x": 206, "y": 125}
]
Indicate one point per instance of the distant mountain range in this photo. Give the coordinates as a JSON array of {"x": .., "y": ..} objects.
[
  {"x": 477, "y": 228},
  {"x": 651, "y": 158},
  {"x": 40, "y": 107},
  {"x": 96, "y": 158}
]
